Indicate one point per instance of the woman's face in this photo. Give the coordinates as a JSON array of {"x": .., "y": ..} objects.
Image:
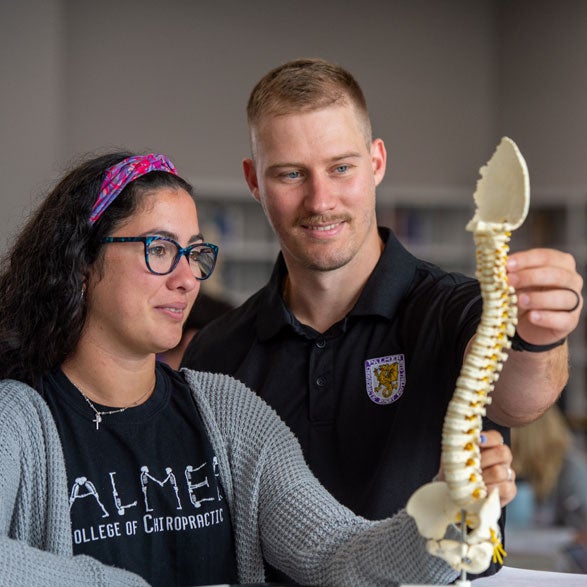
[{"x": 132, "y": 312}]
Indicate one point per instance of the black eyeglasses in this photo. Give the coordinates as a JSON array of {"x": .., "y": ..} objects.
[{"x": 162, "y": 254}]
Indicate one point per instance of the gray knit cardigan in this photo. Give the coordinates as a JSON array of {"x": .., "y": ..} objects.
[{"x": 280, "y": 512}]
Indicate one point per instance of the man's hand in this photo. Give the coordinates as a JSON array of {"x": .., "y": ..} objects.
[
  {"x": 496, "y": 464},
  {"x": 548, "y": 288}
]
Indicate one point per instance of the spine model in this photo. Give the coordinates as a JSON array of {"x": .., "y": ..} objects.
[
  {"x": 481, "y": 369},
  {"x": 457, "y": 516}
]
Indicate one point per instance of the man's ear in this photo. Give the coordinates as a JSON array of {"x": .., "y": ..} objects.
[
  {"x": 250, "y": 173},
  {"x": 378, "y": 159}
]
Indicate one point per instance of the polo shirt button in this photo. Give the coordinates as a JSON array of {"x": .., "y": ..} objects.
[
  {"x": 321, "y": 343},
  {"x": 321, "y": 381}
]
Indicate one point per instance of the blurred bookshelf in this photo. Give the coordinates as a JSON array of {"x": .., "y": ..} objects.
[
  {"x": 429, "y": 222},
  {"x": 231, "y": 218}
]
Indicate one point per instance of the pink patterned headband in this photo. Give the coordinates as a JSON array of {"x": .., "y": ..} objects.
[{"x": 120, "y": 175}]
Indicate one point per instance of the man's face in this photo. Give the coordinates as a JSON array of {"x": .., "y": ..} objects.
[{"x": 315, "y": 177}]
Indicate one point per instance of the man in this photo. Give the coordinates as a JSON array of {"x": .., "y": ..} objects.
[{"x": 347, "y": 305}]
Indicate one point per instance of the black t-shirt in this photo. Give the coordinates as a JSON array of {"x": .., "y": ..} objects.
[
  {"x": 367, "y": 398},
  {"x": 144, "y": 488}
]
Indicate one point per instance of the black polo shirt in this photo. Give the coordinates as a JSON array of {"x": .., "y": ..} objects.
[{"x": 367, "y": 398}]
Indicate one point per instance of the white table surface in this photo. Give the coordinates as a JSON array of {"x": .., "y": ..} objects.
[{"x": 512, "y": 577}]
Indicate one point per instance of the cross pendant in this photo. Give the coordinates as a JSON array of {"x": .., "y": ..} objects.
[{"x": 97, "y": 419}]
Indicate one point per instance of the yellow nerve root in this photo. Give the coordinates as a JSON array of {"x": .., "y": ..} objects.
[{"x": 498, "y": 550}]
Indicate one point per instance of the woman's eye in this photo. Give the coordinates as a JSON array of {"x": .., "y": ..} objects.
[{"x": 157, "y": 251}]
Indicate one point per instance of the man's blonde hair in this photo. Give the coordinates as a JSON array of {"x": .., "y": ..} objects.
[{"x": 305, "y": 85}]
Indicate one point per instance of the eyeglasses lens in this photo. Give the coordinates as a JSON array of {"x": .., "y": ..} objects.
[
  {"x": 202, "y": 260},
  {"x": 161, "y": 256}
]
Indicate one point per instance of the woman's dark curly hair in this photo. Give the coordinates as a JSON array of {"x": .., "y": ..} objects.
[{"x": 42, "y": 310}]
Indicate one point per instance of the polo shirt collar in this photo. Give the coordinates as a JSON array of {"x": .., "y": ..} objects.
[
  {"x": 274, "y": 315},
  {"x": 387, "y": 284},
  {"x": 381, "y": 296}
]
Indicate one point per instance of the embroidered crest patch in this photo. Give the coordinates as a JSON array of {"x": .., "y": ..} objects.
[{"x": 386, "y": 378}]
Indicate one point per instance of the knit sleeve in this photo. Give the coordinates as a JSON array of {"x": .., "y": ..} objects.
[
  {"x": 22, "y": 565},
  {"x": 281, "y": 508},
  {"x": 35, "y": 533}
]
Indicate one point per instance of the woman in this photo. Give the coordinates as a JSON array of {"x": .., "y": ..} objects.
[{"x": 115, "y": 469}]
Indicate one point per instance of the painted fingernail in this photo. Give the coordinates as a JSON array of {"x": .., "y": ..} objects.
[{"x": 482, "y": 438}]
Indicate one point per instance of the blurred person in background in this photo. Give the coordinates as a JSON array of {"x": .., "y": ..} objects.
[{"x": 555, "y": 469}]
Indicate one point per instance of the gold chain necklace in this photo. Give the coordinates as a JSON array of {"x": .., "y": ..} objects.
[{"x": 98, "y": 418}]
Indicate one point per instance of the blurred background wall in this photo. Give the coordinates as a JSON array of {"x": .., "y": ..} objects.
[{"x": 444, "y": 80}]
